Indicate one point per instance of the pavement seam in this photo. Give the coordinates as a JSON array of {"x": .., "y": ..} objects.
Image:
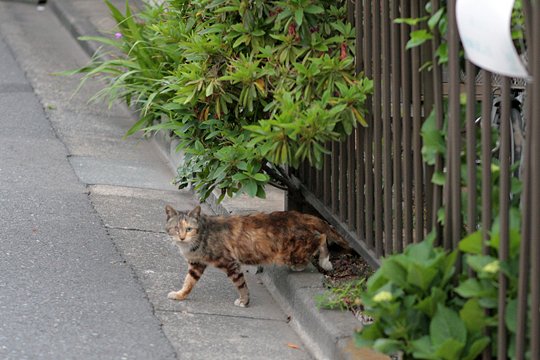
[
  {"x": 220, "y": 315},
  {"x": 133, "y": 229}
]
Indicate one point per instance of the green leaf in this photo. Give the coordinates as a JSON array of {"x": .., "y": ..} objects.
[
  {"x": 438, "y": 178},
  {"x": 250, "y": 187},
  {"x": 139, "y": 125},
  {"x": 420, "y": 252},
  {"x": 261, "y": 177},
  {"x": 422, "y": 349},
  {"x": 410, "y": 21},
  {"x": 472, "y": 243},
  {"x": 242, "y": 165},
  {"x": 420, "y": 275},
  {"x": 314, "y": 9},
  {"x": 446, "y": 325},
  {"x": 299, "y": 16},
  {"x": 473, "y": 316},
  {"x": 393, "y": 271},
  {"x": 476, "y": 348},
  {"x": 433, "y": 140},
  {"x": 239, "y": 177},
  {"x": 479, "y": 262},
  {"x": 474, "y": 288},
  {"x": 417, "y": 38},
  {"x": 449, "y": 266},
  {"x": 510, "y": 316},
  {"x": 387, "y": 346},
  {"x": 209, "y": 89},
  {"x": 429, "y": 304},
  {"x": 434, "y": 19},
  {"x": 450, "y": 349}
]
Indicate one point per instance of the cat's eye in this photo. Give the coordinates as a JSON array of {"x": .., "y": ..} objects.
[{"x": 188, "y": 229}]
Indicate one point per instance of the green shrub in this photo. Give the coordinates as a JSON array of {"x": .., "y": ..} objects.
[
  {"x": 247, "y": 86},
  {"x": 410, "y": 300}
]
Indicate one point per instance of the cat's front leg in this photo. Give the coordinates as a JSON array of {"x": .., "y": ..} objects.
[
  {"x": 195, "y": 271},
  {"x": 234, "y": 272}
]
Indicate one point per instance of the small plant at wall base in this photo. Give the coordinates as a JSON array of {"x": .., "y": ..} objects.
[
  {"x": 414, "y": 312},
  {"x": 248, "y": 87},
  {"x": 343, "y": 296}
]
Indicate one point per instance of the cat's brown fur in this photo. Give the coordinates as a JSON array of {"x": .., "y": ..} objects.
[{"x": 283, "y": 238}]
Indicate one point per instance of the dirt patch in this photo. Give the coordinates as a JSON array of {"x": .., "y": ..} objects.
[{"x": 347, "y": 266}]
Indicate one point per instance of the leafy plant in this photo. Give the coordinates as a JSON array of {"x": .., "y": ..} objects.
[
  {"x": 248, "y": 87},
  {"x": 482, "y": 291},
  {"x": 411, "y": 301}
]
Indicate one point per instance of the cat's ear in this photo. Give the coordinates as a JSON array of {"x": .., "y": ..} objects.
[
  {"x": 195, "y": 213},
  {"x": 169, "y": 210}
]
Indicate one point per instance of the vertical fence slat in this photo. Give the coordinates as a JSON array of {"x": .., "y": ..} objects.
[
  {"x": 360, "y": 177},
  {"x": 534, "y": 138},
  {"x": 327, "y": 173},
  {"x": 406, "y": 116},
  {"x": 454, "y": 131},
  {"x": 342, "y": 181},
  {"x": 471, "y": 147},
  {"x": 504, "y": 206},
  {"x": 524, "y": 249},
  {"x": 335, "y": 177},
  {"x": 486, "y": 156},
  {"x": 386, "y": 116},
  {"x": 486, "y": 171},
  {"x": 439, "y": 119},
  {"x": 396, "y": 122},
  {"x": 360, "y": 166},
  {"x": 416, "y": 140},
  {"x": 377, "y": 133},
  {"x": 368, "y": 134},
  {"x": 351, "y": 203}
]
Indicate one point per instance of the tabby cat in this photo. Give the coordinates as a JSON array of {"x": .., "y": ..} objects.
[{"x": 282, "y": 237}]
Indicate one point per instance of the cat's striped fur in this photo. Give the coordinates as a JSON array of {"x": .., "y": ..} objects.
[{"x": 226, "y": 242}]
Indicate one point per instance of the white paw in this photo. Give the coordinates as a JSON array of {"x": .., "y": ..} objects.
[
  {"x": 240, "y": 303},
  {"x": 326, "y": 264},
  {"x": 173, "y": 295}
]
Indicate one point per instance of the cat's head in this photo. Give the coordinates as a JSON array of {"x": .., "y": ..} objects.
[{"x": 183, "y": 226}]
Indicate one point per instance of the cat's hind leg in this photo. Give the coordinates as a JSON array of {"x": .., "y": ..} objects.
[
  {"x": 234, "y": 272},
  {"x": 324, "y": 254},
  {"x": 195, "y": 271}
]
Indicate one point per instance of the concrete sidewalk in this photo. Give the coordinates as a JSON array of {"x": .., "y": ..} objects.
[
  {"x": 86, "y": 267},
  {"x": 327, "y": 334}
]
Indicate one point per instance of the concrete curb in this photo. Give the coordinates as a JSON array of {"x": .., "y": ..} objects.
[{"x": 327, "y": 334}]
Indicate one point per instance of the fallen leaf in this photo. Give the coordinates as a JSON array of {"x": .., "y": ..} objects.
[{"x": 293, "y": 346}]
